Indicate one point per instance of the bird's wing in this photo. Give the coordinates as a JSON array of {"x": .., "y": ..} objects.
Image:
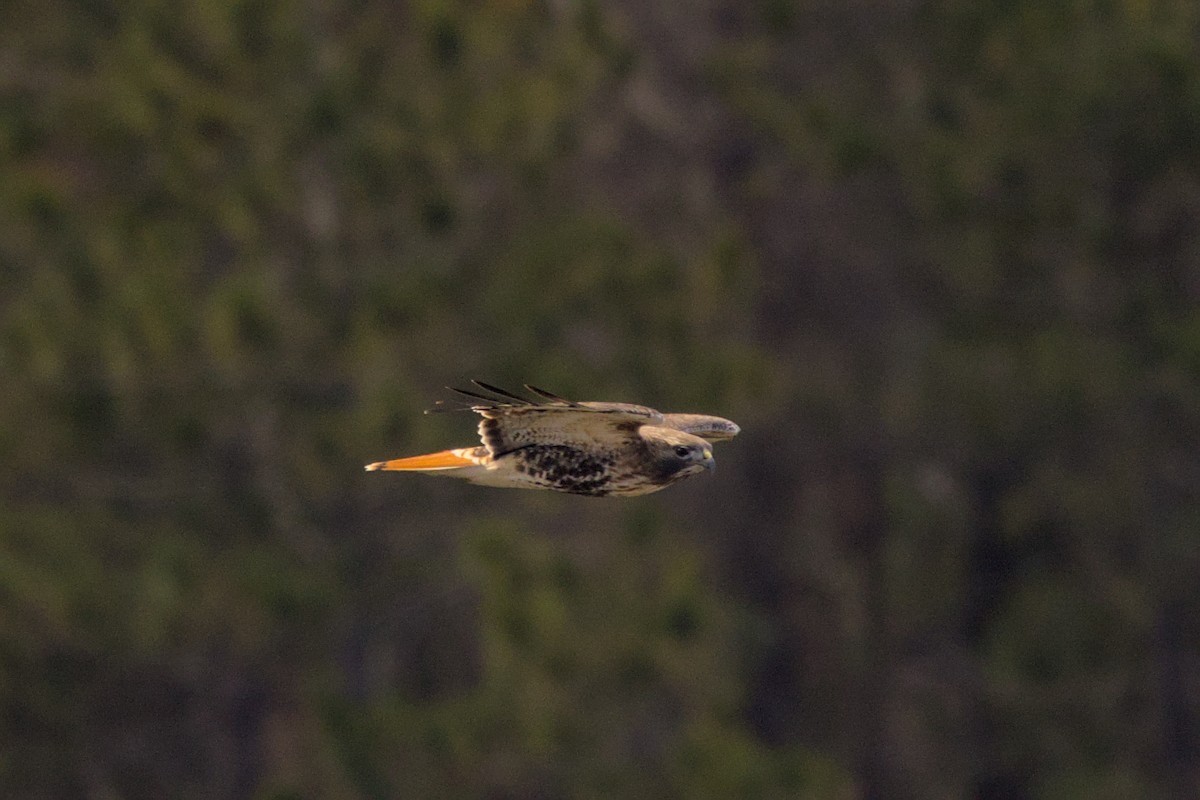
[
  {"x": 511, "y": 422},
  {"x": 714, "y": 429}
]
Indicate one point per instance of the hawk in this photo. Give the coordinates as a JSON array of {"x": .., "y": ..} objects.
[{"x": 596, "y": 449}]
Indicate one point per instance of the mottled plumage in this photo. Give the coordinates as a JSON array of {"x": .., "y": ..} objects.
[{"x": 595, "y": 449}]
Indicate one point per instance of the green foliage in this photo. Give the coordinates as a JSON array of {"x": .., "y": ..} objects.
[{"x": 938, "y": 262}]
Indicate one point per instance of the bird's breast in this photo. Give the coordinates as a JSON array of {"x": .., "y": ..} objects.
[{"x": 564, "y": 468}]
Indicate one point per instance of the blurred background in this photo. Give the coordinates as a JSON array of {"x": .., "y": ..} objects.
[{"x": 939, "y": 259}]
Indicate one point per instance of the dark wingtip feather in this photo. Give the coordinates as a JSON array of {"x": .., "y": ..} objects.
[
  {"x": 501, "y": 392},
  {"x": 473, "y": 395},
  {"x": 498, "y": 398},
  {"x": 550, "y": 395}
]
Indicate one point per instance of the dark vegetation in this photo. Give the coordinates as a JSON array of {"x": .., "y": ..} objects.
[{"x": 940, "y": 260}]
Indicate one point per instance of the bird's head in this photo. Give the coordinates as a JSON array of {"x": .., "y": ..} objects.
[{"x": 676, "y": 454}]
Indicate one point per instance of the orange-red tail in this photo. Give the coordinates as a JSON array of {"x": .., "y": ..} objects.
[{"x": 447, "y": 459}]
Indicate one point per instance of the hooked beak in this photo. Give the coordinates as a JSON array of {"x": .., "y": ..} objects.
[{"x": 710, "y": 463}]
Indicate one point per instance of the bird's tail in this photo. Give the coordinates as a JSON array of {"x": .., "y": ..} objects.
[{"x": 433, "y": 462}]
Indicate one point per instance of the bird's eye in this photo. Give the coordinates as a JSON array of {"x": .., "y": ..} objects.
[{"x": 682, "y": 451}]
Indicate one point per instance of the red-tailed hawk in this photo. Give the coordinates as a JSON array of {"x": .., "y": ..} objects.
[{"x": 595, "y": 449}]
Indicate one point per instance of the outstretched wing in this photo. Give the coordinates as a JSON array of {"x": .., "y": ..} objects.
[
  {"x": 714, "y": 429},
  {"x": 511, "y": 422}
]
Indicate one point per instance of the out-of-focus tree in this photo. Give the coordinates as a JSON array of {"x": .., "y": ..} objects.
[{"x": 939, "y": 261}]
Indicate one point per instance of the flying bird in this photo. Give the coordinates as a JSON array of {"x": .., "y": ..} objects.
[{"x": 596, "y": 449}]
